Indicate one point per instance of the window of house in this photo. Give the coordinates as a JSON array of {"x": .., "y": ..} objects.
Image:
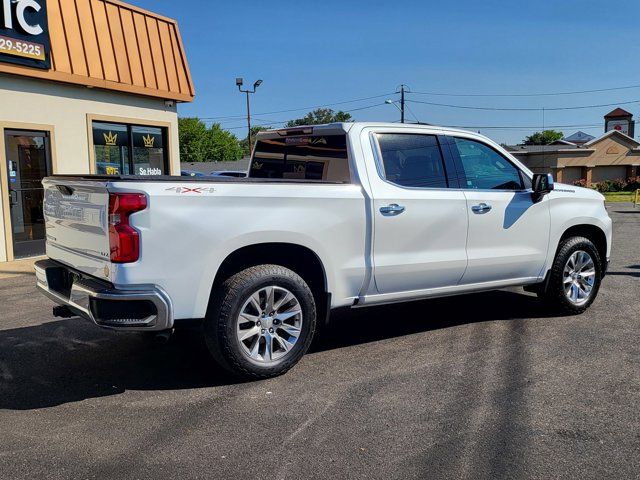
[
  {"x": 412, "y": 160},
  {"x": 122, "y": 149},
  {"x": 484, "y": 168}
]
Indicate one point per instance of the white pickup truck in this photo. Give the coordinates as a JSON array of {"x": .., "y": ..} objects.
[{"x": 348, "y": 214}]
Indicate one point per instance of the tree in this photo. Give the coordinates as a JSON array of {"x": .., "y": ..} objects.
[
  {"x": 319, "y": 116},
  {"x": 224, "y": 145},
  {"x": 201, "y": 144},
  {"x": 193, "y": 140},
  {"x": 543, "y": 138}
]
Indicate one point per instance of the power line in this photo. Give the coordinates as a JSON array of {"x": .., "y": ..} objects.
[
  {"x": 523, "y": 127},
  {"x": 305, "y": 108},
  {"x": 267, "y": 121},
  {"x": 546, "y": 94},
  {"x": 522, "y": 109}
]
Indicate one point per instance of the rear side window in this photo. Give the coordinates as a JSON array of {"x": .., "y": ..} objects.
[
  {"x": 302, "y": 157},
  {"x": 484, "y": 168},
  {"x": 412, "y": 160}
]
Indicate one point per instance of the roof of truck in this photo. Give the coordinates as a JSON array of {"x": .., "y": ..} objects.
[{"x": 346, "y": 126}]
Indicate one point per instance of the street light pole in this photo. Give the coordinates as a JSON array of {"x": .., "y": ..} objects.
[
  {"x": 239, "y": 83},
  {"x": 248, "y": 123}
]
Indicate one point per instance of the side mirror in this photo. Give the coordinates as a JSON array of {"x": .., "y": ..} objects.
[{"x": 542, "y": 185}]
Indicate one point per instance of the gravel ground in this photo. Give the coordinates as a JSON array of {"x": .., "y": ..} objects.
[{"x": 481, "y": 386}]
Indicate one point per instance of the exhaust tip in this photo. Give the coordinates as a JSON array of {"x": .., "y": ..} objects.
[{"x": 62, "y": 311}]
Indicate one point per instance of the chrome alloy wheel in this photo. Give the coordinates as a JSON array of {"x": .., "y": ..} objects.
[
  {"x": 269, "y": 324},
  {"x": 579, "y": 277}
]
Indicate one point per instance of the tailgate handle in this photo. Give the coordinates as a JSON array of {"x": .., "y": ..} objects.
[{"x": 65, "y": 190}]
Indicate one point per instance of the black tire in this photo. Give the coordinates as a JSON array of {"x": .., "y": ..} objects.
[
  {"x": 224, "y": 308},
  {"x": 554, "y": 294}
]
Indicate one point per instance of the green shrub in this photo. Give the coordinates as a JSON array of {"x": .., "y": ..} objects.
[
  {"x": 633, "y": 184},
  {"x": 618, "y": 185},
  {"x": 603, "y": 187}
]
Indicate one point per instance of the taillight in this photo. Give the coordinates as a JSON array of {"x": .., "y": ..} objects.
[{"x": 124, "y": 240}]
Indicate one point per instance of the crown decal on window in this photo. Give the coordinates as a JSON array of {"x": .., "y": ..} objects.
[
  {"x": 110, "y": 139},
  {"x": 257, "y": 166},
  {"x": 148, "y": 141}
]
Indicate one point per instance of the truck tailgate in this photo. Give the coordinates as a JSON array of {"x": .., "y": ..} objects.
[{"x": 76, "y": 217}]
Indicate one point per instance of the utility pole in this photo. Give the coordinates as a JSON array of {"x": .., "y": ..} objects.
[
  {"x": 402, "y": 103},
  {"x": 239, "y": 83}
]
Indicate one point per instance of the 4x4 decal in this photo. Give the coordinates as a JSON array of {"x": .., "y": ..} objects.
[{"x": 194, "y": 190}]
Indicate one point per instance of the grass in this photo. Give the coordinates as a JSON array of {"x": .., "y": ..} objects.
[{"x": 619, "y": 196}]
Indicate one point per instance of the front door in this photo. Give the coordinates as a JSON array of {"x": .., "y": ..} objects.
[
  {"x": 28, "y": 162},
  {"x": 508, "y": 231}
]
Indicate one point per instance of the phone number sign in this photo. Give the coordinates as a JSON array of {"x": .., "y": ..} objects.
[{"x": 24, "y": 33}]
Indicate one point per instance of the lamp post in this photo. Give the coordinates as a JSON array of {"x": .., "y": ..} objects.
[
  {"x": 239, "y": 83},
  {"x": 391, "y": 102},
  {"x": 395, "y": 104}
]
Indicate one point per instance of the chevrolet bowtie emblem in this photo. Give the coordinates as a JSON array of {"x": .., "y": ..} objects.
[
  {"x": 148, "y": 141},
  {"x": 110, "y": 139}
]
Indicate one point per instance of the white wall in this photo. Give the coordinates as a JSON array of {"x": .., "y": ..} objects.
[{"x": 65, "y": 107}]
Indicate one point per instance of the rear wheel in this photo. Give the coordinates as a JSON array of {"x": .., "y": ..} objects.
[
  {"x": 575, "y": 276},
  {"x": 261, "y": 321}
]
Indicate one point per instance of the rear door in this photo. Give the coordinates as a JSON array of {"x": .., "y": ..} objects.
[
  {"x": 420, "y": 217},
  {"x": 508, "y": 233}
]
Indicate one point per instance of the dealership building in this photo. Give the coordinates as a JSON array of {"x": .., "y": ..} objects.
[{"x": 86, "y": 86}]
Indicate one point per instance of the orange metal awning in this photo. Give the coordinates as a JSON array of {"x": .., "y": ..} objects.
[{"x": 110, "y": 44}]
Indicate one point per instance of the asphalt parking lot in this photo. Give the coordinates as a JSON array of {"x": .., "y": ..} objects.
[{"x": 481, "y": 386}]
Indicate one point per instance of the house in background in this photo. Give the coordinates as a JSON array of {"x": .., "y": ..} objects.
[
  {"x": 579, "y": 138},
  {"x": 614, "y": 155}
]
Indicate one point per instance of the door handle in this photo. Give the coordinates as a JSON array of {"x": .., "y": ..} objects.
[
  {"x": 481, "y": 208},
  {"x": 391, "y": 210},
  {"x": 13, "y": 201}
]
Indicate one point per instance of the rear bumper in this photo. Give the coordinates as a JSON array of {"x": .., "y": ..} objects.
[{"x": 146, "y": 309}]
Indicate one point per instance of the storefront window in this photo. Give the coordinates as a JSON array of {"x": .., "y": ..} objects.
[
  {"x": 148, "y": 151},
  {"x": 129, "y": 149},
  {"x": 111, "y": 145}
]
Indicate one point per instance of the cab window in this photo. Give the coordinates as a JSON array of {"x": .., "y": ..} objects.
[
  {"x": 484, "y": 168},
  {"x": 314, "y": 157},
  {"x": 412, "y": 160}
]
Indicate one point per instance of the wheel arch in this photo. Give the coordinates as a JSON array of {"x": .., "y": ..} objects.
[
  {"x": 302, "y": 260},
  {"x": 590, "y": 231}
]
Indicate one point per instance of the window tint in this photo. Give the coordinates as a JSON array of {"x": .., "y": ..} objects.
[
  {"x": 484, "y": 168},
  {"x": 302, "y": 157},
  {"x": 412, "y": 160}
]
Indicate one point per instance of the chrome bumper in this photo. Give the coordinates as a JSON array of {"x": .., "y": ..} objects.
[{"x": 97, "y": 301}]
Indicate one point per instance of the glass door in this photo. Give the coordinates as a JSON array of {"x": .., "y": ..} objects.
[{"x": 28, "y": 162}]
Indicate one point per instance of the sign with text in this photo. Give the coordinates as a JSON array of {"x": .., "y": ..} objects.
[{"x": 24, "y": 33}]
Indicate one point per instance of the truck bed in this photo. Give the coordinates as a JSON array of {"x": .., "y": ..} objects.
[{"x": 185, "y": 179}]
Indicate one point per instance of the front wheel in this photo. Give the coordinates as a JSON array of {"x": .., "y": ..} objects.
[
  {"x": 261, "y": 321},
  {"x": 575, "y": 276}
]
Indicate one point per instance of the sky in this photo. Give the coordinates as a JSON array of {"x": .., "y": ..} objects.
[{"x": 319, "y": 53}]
